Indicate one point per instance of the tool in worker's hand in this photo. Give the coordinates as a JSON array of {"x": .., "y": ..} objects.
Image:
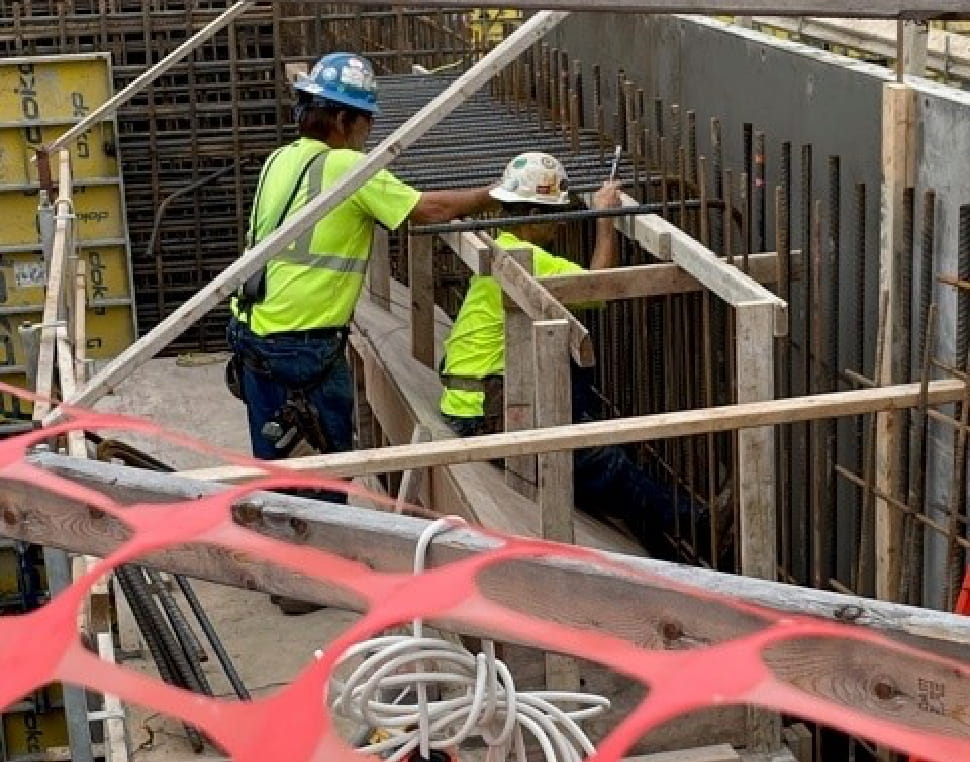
[{"x": 616, "y": 162}]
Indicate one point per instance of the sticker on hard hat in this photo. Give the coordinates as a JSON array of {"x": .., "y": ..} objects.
[{"x": 329, "y": 73}]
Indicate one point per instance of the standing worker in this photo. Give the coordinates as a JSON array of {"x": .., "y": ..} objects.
[
  {"x": 289, "y": 323},
  {"x": 606, "y": 480}
]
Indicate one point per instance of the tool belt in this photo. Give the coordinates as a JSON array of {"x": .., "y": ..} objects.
[
  {"x": 493, "y": 387},
  {"x": 487, "y": 385}
]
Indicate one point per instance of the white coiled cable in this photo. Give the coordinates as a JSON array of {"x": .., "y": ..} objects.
[{"x": 484, "y": 702}]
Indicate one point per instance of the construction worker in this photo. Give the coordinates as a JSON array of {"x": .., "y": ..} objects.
[
  {"x": 289, "y": 323},
  {"x": 607, "y": 481}
]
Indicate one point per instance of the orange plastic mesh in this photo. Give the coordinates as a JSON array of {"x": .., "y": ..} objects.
[{"x": 43, "y": 646}]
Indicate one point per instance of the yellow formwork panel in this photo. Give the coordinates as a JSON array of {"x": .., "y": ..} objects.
[
  {"x": 91, "y": 156},
  {"x": 40, "y": 98},
  {"x": 31, "y": 732},
  {"x": 489, "y": 24},
  {"x": 22, "y": 276},
  {"x": 109, "y": 331},
  {"x": 98, "y": 210}
]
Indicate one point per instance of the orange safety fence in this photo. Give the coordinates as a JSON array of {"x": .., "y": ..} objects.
[{"x": 43, "y": 646}]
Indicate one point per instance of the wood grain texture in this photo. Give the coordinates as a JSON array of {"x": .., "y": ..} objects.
[{"x": 614, "y": 431}]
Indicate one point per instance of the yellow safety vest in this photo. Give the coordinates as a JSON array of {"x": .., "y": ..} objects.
[
  {"x": 476, "y": 346},
  {"x": 315, "y": 283}
]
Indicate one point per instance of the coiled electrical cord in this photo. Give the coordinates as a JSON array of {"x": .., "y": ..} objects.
[{"x": 484, "y": 704}]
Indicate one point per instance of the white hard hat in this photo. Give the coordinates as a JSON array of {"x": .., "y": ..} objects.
[{"x": 533, "y": 177}]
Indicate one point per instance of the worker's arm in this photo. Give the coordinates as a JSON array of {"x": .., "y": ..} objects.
[
  {"x": 606, "y": 254},
  {"x": 446, "y": 205}
]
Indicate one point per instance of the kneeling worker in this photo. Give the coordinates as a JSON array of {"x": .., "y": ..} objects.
[{"x": 606, "y": 481}]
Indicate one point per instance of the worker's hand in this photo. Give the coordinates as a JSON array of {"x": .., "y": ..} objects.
[{"x": 607, "y": 197}]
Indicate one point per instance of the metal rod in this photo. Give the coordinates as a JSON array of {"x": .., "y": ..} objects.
[
  {"x": 209, "y": 631},
  {"x": 579, "y": 214}
]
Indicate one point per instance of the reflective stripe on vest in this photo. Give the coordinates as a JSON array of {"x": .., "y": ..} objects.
[{"x": 300, "y": 252}]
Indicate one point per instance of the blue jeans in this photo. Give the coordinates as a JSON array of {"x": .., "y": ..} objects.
[{"x": 276, "y": 364}]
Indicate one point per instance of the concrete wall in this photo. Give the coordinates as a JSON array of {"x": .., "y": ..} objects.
[{"x": 799, "y": 94}]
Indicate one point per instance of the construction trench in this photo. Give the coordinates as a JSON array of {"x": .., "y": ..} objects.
[{"x": 832, "y": 196}]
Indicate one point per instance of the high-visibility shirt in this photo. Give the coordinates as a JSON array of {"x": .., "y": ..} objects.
[
  {"x": 315, "y": 283},
  {"x": 476, "y": 346}
]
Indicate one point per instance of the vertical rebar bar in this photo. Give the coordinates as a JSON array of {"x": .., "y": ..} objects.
[
  {"x": 717, "y": 169},
  {"x": 833, "y": 321},
  {"x": 760, "y": 193},
  {"x": 860, "y": 250},
  {"x": 747, "y": 137}
]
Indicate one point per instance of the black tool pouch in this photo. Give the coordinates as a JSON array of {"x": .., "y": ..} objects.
[{"x": 234, "y": 371}]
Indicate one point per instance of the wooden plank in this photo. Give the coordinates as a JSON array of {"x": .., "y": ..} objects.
[
  {"x": 755, "y": 370},
  {"x": 799, "y": 741},
  {"x": 224, "y": 284},
  {"x": 54, "y": 303},
  {"x": 379, "y": 269},
  {"x": 843, "y": 8},
  {"x": 421, "y": 287},
  {"x": 550, "y": 341},
  {"x": 601, "y": 433},
  {"x": 898, "y": 162},
  {"x": 719, "y": 753},
  {"x": 520, "y": 380},
  {"x": 666, "y": 241},
  {"x": 116, "y": 738},
  {"x": 470, "y": 249},
  {"x": 79, "y": 322},
  {"x": 407, "y": 493},
  {"x": 533, "y": 299},
  {"x": 635, "y": 606},
  {"x": 916, "y": 40},
  {"x": 639, "y": 281}
]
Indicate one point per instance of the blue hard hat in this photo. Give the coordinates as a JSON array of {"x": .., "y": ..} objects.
[{"x": 342, "y": 78}]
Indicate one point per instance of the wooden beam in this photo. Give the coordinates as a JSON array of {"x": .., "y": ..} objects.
[
  {"x": 224, "y": 284},
  {"x": 54, "y": 302},
  {"x": 471, "y": 250},
  {"x": 916, "y": 40},
  {"x": 602, "y": 433},
  {"x": 411, "y": 480},
  {"x": 898, "y": 162},
  {"x": 116, "y": 739},
  {"x": 421, "y": 288},
  {"x": 666, "y": 241},
  {"x": 519, "y": 385},
  {"x": 622, "y": 603},
  {"x": 843, "y": 8},
  {"x": 554, "y": 470},
  {"x": 550, "y": 342},
  {"x": 379, "y": 269},
  {"x": 639, "y": 281},
  {"x": 754, "y": 344}
]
